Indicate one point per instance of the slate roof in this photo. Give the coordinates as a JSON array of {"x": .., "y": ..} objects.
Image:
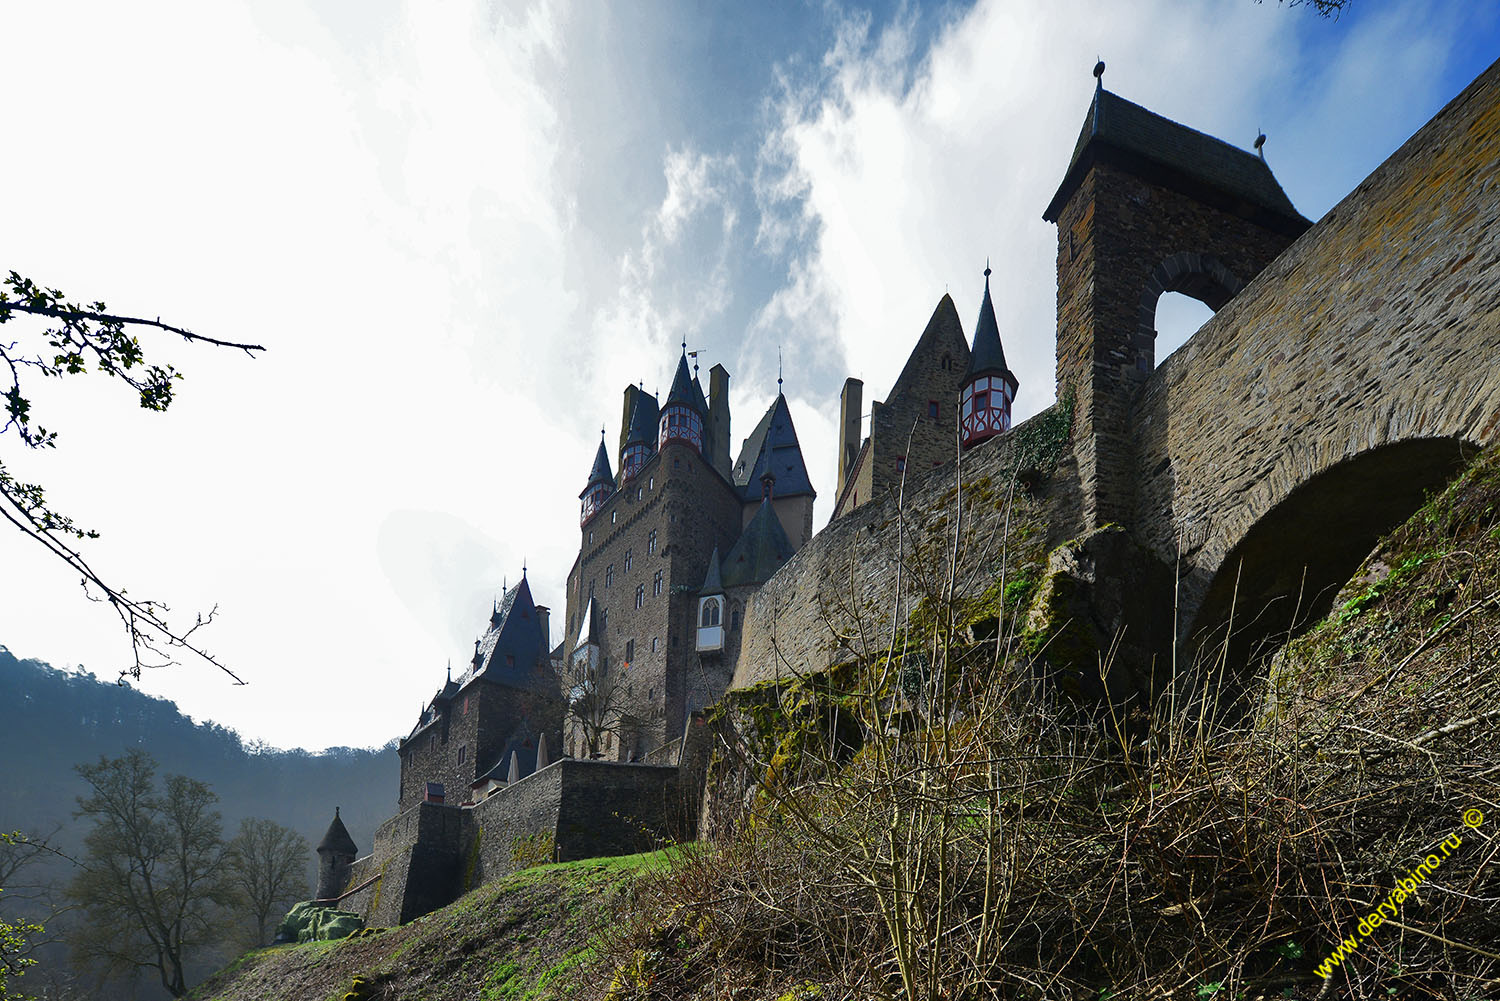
[
  {"x": 600, "y": 473},
  {"x": 337, "y": 838},
  {"x": 684, "y": 390},
  {"x": 713, "y": 581},
  {"x": 987, "y": 356},
  {"x": 643, "y": 420},
  {"x": 1115, "y": 124},
  {"x": 761, "y": 550},
  {"x": 773, "y": 447},
  {"x": 524, "y": 748},
  {"x": 515, "y": 632}
]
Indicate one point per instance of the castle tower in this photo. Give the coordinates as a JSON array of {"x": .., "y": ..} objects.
[
  {"x": 773, "y": 448},
  {"x": 640, "y": 439},
  {"x": 336, "y": 854},
  {"x": 1146, "y": 206},
  {"x": 600, "y": 485},
  {"x": 989, "y": 386},
  {"x": 682, "y": 415}
]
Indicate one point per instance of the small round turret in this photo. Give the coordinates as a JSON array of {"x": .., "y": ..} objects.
[
  {"x": 682, "y": 414},
  {"x": 336, "y": 854},
  {"x": 600, "y": 485},
  {"x": 989, "y": 386}
]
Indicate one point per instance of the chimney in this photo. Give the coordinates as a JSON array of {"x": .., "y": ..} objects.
[
  {"x": 544, "y": 621},
  {"x": 850, "y": 406},
  {"x": 718, "y": 416},
  {"x": 631, "y": 392}
]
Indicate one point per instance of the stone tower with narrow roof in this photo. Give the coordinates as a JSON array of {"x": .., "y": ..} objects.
[
  {"x": 1145, "y": 206},
  {"x": 639, "y": 624}
]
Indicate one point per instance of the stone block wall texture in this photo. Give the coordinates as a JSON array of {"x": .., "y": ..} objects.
[
  {"x": 496, "y": 827},
  {"x": 692, "y": 509},
  {"x": 1379, "y": 325},
  {"x": 1121, "y": 243},
  {"x": 613, "y": 808},
  {"x": 845, "y": 579}
]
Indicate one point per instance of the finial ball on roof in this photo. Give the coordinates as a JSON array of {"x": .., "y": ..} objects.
[
  {"x": 1260, "y": 140},
  {"x": 1099, "y": 70}
]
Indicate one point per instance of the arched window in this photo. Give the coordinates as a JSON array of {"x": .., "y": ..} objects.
[
  {"x": 640, "y": 595},
  {"x": 711, "y": 613}
]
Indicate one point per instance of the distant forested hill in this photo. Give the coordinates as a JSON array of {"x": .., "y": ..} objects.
[{"x": 51, "y": 720}]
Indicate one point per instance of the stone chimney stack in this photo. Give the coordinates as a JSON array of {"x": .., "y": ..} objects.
[
  {"x": 544, "y": 622},
  {"x": 718, "y": 415},
  {"x": 850, "y": 405},
  {"x": 631, "y": 392}
]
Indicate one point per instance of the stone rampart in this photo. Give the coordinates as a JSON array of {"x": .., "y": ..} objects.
[
  {"x": 1379, "y": 326},
  {"x": 845, "y": 580}
]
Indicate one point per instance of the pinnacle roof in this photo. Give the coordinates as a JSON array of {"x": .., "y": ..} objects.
[
  {"x": 773, "y": 447},
  {"x": 643, "y": 420},
  {"x": 600, "y": 473},
  {"x": 761, "y": 550},
  {"x": 588, "y": 626},
  {"x": 1117, "y": 124},
  {"x": 513, "y": 644},
  {"x": 337, "y": 838},
  {"x": 988, "y": 357},
  {"x": 684, "y": 390}
]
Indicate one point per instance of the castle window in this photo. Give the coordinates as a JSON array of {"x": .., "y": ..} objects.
[
  {"x": 613, "y": 515},
  {"x": 609, "y": 576},
  {"x": 461, "y": 754},
  {"x": 466, "y": 705},
  {"x": 650, "y": 483},
  {"x": 932, "y": 409},
  {"x": 603, "y": 618},
  {"x": 656, "y": 585},
  {"x": 591, "y": 536},
  {"x": 640, "y": 595},
  {"x": 629, "y": 652},
  {"x": 628, "y": 557},
  {"x": 651, "y": 542},
  {"x": 981, "y": 401},
  {"x": 900, "y": 463},
  {"x": 655, "y": 643},
  {"x": 637, "y": 493},
  {"x": 711, "y": 613},
  {"x": 947, "y": 363}
]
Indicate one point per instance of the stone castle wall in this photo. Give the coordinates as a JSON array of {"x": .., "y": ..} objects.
[
  {"x": 845, "y": 579},
  {"x": 1379, "y": 325}
]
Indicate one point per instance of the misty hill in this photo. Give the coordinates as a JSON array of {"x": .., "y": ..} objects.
[{"x": 51, "y": 720}]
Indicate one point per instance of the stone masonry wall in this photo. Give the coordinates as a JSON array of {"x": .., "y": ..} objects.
[
  {"x": 1380, "y": 325},
  {"x": 850, "y": 566}
]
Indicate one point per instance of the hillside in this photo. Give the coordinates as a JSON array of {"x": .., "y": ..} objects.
[
  {"x": 52, "y": 720},
  {"x": 1235, "y": 851}
]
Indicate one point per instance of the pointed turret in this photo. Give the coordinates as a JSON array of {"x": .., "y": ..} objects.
[
  {"x": 682, "y": 415},
  {"x": 336, "y": 853},
  {"x": 711, "y": 608},
  {"x": 773, "y": 448},
  {"x": 713, "y": 581},
  {"x": 600, "y": 485},
  {"x": 989, "y": 386},
  {"x": 640, "y": 439}
]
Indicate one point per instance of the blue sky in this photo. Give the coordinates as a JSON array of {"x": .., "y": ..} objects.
[{"x": 461, "y": 229}]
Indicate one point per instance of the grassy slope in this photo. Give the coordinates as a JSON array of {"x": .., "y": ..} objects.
[{"x": 532, "y": 936}]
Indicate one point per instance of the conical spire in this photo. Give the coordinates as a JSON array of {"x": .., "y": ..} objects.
[
  {"x": 337, "y": 838},
  {"x": 713, "y": 582},
  {"x": 683, "y": 391},
  {"x": 601, "y": 472},
  {"x": 987, "y": 357}
]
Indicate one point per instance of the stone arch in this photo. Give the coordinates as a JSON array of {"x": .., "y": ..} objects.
[
  {"x": 1200, "y": 276},
  {"x": 1281, "y": 574}
]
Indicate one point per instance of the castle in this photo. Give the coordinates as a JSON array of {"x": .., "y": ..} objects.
[{"x": 697, "y": 573}]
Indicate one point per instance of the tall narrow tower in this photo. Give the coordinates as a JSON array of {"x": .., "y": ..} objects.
[{"x": 989, "y": 386}]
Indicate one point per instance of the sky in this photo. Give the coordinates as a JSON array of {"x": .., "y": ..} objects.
[{"x": 461, "y": 229}]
